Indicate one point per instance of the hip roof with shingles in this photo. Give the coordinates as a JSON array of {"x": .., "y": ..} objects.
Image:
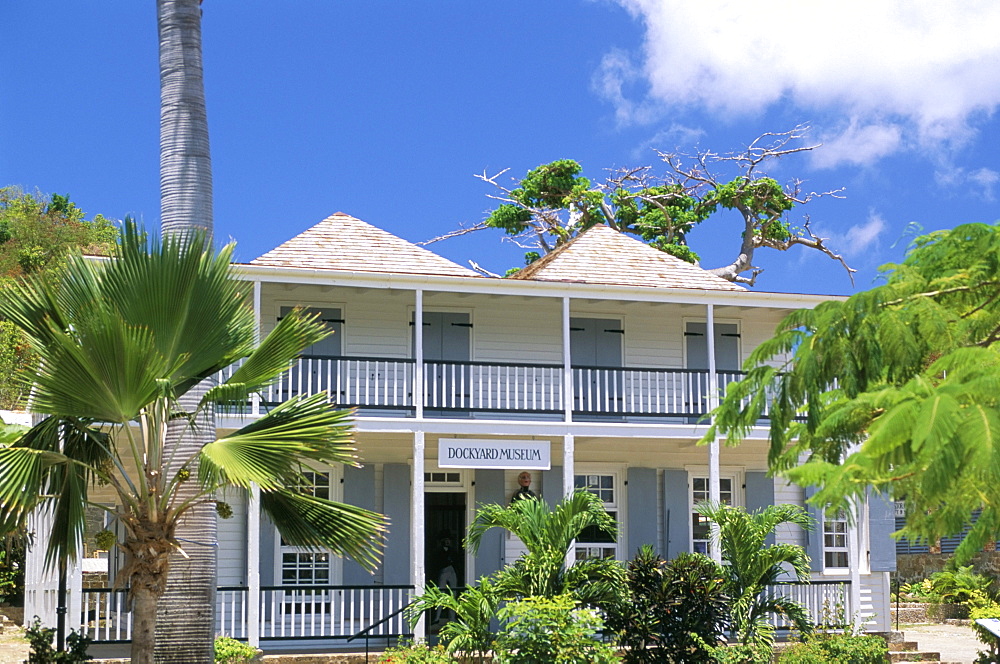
[
  {"x": 602, "y": 255},
  {"x": 346, "y": 244}
]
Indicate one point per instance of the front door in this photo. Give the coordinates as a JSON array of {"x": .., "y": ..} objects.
[
  {"x": 444, "y": 558},
  {"x": 596, "y": 356},
  {"x": 447, "y": 349}
]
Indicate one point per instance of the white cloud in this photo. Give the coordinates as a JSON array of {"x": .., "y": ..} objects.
[
  {"x": 987, "y": 179},
  {"x": 982, "y": 180},
  {"x": 857, "y": 144},
  {"x": 860, "y": 239},
  {"x": 926, "y": 66}
]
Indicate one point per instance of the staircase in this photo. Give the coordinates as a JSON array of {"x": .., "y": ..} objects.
[{"x": 905, "y": 652}]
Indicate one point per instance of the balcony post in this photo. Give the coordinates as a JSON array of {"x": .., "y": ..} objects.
[
  {"x": 567, "y": 380},
  {"x": 253, "y": 564},
  {"x": 255, "y": 397},
  {"x": 714, "y": 489},
  {"x": 417, "y": 572},
  {"x": 418, "y": 358}
]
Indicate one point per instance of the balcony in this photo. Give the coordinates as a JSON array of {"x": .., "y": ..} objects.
[{"x": 472, "y": 388}]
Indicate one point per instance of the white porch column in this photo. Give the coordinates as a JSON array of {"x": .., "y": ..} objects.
[
  {"x": 253, "y": 565},
  {"x": 569, "y": 464},
  {"x": 255, "y": 398},
  {"x": 714, "y": 490},
  {"x": 40, "y": 584},
  {"x": 418, "y": 358},
  {"x": 417, "y": 572},
  {"x": 854, "y": 561},
  {"x": 567, "y": 382}
]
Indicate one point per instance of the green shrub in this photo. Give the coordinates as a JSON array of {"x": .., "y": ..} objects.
[
  {"x": 953, "y": 585},
  {"x": 841, "y": 648},
  {"x": 672, "y": 608},
  {"x": 42, "y": 650},
  {"x": 469, "y": 631},
  {"x": 542, "y": 630},
  {"x": 415, "y": 653},
  {"x": 231, "y": 651},
  {"x": 742, "y": 653},
  {"x": 992, "y": 653}
]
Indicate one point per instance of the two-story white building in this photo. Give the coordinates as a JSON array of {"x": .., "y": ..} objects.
[{"x": 592, "y": 368}]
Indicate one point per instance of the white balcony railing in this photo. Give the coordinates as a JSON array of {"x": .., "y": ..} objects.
[{"x": 387, "y": 384}]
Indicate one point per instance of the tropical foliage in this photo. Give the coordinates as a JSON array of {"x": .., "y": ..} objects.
[
  {"x": 671, "y": 609},
  {"x": 552, "y": 629},
  {"x": 554, "y": 203},
  {"x": 896, "y": 387},
  {"x": 122, "y": 339},
  {"x": 821, "y": 648},
  {"x": 473, "y": 610},
  {"x": 752, "y": 565},
  {"x": 548, "y": 534},
  {"x": 541, "y": 572}
]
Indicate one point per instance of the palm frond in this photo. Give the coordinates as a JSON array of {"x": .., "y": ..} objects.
[
  {"x": 276, "y": 353},
  {"x": 317, "y": 523},
  {"x": 271, "y": 450}
]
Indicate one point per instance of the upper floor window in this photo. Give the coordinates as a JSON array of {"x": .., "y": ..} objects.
[{"x": 592, "y": 542}]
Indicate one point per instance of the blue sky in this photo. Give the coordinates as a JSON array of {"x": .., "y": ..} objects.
[{"x": 386, "y": 110}]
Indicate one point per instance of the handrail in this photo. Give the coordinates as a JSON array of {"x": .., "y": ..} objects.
[{"x": 389, "y": 617}]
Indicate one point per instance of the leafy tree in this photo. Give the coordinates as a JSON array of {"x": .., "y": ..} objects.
[
  {"x": 897, "y": 387},
  {"x": 753, "y": 565},
  {"x": 36, "y": 232},
  {"x": 671, "y": 609},
  {"x": 554, "y": 203},
  {"x": 116, "y": 361}
]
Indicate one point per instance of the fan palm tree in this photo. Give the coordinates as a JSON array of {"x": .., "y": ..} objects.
[
  {"x": 187, "y": 620},
  {"x": 548, "y": 535},
  {"x": 752, "y": 565},
  {"x": 121, "y": 340}
]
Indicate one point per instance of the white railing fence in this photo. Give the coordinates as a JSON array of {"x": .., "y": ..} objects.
[
  {"x": 379, "y": 383},
  {"x": 286, "y": 612}
]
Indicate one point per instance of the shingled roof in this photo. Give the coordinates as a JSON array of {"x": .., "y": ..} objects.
[
  {"x": 602, "y": 255},
  {"x": 346, "y": 244}
]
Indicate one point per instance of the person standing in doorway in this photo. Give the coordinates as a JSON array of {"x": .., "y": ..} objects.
[{"x": 445, "y": 560}]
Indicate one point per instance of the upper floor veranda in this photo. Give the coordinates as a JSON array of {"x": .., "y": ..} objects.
[{"x": 613, "y": 339}]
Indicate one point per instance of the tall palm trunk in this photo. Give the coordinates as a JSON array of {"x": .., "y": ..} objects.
[{"x": 185, "y": 627}]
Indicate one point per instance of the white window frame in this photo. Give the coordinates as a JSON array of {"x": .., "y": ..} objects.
[
  {"x": 611, "y": 550},
  {"x": 335, "y": 569},
  {"x": 737, "y": 478},
  {"x": 840, "y": 530}
]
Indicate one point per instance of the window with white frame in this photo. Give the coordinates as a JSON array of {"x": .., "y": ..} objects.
[
  {"x": 592, "y": 542},
  {"x": 304, "y": 567},
  {"x": 701, "y": 538},
  {"x": 835, "y": 540}
]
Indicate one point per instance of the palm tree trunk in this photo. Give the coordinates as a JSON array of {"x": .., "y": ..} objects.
[
  {"x": 185, "y": 159},
  {"x": 143, "y": 623},
  {"x": 185, "y": 629}
]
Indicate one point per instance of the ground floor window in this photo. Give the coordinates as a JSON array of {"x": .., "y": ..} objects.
[
  {"x": 306, "y": 567},
  {"x": 835, "y": 541},
  {"x": 593, "y": 543},
  {"x": 701, "y": 540}
]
